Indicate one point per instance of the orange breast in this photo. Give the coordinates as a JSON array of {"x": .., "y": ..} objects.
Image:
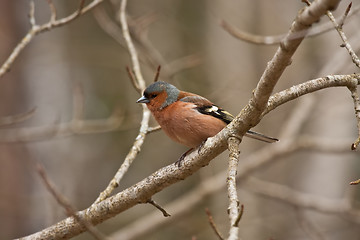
[{"x": 187, "y": 127}]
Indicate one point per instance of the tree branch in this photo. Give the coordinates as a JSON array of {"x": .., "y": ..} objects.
[
  {"x": 37, "y": 29},
  {"x": 212, "y": 185},
  {"x": 63, "y": 202},
  {"x": 234, "y": 203},
  {"x": 248, "y": 117},
  {"x": 276, "y": 39},
  {"x": 139, "y": 85}
]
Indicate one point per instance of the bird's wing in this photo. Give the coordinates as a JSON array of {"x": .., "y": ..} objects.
[{"x": 205, "y": 106}]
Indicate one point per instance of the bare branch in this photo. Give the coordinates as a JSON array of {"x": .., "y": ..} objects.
[
  {"x": 62, "y": 201},
  {"x": 276, "y": 39},
  {"x": 37, "y": 29},
  {"x": 248, "y": 37},
  {"x": 346, "y": 43},
  {"x": 153, "y": 129},
  {"x": 294, "y": 92},
  {"x": 356, "y": 100},
  {"x": 212, "y": 185},
  {"x": 32, "y": 14},
  {"x": 139, "y": 84},
  {"x": 250, "y": 116},
  {"x": 156, "y": 78},
  {"x": 130, "y": 45},
  {"x": 28, "y": 134},
  {"x": 277, "y": 65},
  {"x": 9, "y": 120},
  {"x": 300, "y": 199},
  {"x": 152, "y": 202},
  {"x": 233, "y": 209},
  {"x": 149, "y": 52},
  {"x": 133, "y": 79},
  {"x": 237, "y": 220},
  {"x": 355, "y": 182},
  {"x": 81, "y": 6},
  {"x": 213, "y": 225},
  {"x": 344, "y": 17},
  {"x": 52, "y": 11},
  {"x": 130, "y": 157}
]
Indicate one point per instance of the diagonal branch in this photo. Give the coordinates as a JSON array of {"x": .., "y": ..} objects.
[
  {"x": 339, "y": 29},
  {"x": 248, "y": 117},
  {"x": 251, "y": 115},
  {"x": 143, "y": 190},
  {"x": 63, "y": 202}
]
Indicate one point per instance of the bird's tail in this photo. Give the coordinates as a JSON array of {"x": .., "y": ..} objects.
[{"x": 261, "y": 137}]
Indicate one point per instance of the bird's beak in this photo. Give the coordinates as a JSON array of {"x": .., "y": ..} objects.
[{"x": 143, "y": 99}]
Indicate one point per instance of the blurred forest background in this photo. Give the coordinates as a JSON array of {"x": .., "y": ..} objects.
[{"x": 196, "y": 55}]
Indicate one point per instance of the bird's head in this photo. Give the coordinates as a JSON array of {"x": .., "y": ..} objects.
[{"x": 159, "y": 95}]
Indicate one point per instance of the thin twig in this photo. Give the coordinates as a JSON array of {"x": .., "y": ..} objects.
[
  {"x": 133, "y": 79},
  {"x": 52, "y": 11},
  {"x": 301, "y": 199},
  {"x": 62, "y": 201},
  {"x": 277, "y": 99},
  {"x": 213, "y": 225},
  {"x": 130, "y": 45},
  {"x": 156, "y": 78},
  {"x": 37, "y": 29},
  {"x": 355, "y": 182},
  {"x": 308, "y": 227},
  {"x": 139, "y": 84},
  {"x": 151, "y": 56},
  {"x": 9, "y": 120},
  {"x": 32, "y": 14},
  {"x": 236, "y": 223},
  {"x": 31, "y": 134},
  {"x": 343, "y": 37},
  {"x": 152, "y": 202},
  {"x": 356, "y": 100},
  {"x": 153, "y": 129},
  {"x": 130, "y": 157},
  {"x": 80, "y": 8},
  {"x": 276, "y": 39},
  {"x": 343, "y": 18}
]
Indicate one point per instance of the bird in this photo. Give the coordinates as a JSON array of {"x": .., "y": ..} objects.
[{"x": 188, "y": 118}]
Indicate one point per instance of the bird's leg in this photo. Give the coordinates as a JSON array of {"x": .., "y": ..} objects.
[
  {"x": 178, "y": 162},
  {"x": 201, "y": 145}
]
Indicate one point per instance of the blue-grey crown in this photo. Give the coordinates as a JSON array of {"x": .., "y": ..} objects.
[{"x": 171, "y": 90}]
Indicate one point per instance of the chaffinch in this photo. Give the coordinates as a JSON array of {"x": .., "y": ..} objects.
[{"x": 187, "y": 118}]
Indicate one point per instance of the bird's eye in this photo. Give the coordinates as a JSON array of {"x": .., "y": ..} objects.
[{"x": 153, "y": 95}]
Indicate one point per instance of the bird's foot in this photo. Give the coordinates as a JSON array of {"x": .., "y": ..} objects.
[
  {"x": 182, "y": 157},
  {"x": 201, "y": 145}
]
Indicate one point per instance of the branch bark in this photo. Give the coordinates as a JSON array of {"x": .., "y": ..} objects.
[
  {"x": 248, "y": 117},
  {"x": 234, "y": 203}
]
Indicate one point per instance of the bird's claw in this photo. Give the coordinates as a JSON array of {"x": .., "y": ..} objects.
[{"x": 182, "y": 157}]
